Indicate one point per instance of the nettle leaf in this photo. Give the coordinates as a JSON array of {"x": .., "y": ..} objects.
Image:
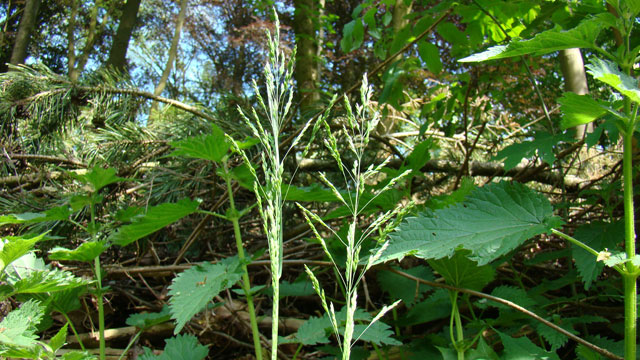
[
  {"x": 616, "y": 347},
  {"x": 59, "y": 213},
  {"x": 491, "y": 222},
  {"x": 436, "y": 306},
  {"x": 211, "y": 147},
  {"x": 194, "y": 288},
  {"x": 579, "y": 109},
  {"x": 19, "y": 326},
  {"x": 482, "y": 351},
  {"x": 608, "y": 72},
  {"x": 147, "y": 320},
  {"x": 97, "y": 177},
  {"x": 14, "y": 247},
  {"x": 86, "y": 252},
  {"x": 314, "y": 331},
  {"x": 155, "y": 219},
  {"x": 461, "y": 272},
  {"x": 542, "y": 145},
  {"x": 399, "y": 287},
  {"x": 523, "y": 349},
  {"x": 43, "y": 281},
  {"x": 511, "y": 293},
  {"x": 181, "y": 347},
  {"x": 314, "y": 192},
  {"x": 557, "y": 339},
  {"x": 599, "y": 236},
  {"x": 59, "y": 339},
  {"x": 378, "y": 333},
  {"x": 582, "y": 36}
]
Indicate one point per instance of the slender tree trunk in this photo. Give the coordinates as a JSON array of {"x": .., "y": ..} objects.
[
  {"x": 575, "y": 80},
  {"x": 27, "y": 23},
  {"x": 118, "y": 52},
  {"x": 306, "y": 71},
  {"x": 173, "y": 53},
  {"x": 77, "y": 62}
]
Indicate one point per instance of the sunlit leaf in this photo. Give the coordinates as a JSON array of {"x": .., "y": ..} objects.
[
  {"x": 491, "y": 222},
  {"x": 97, "y": 177},
  {"x": 86, "y": 252},
  {"x": 211, "y": 147},
  {"x": 579, "y": 109},
  {"x": 181, "y": 347},
  {"x": 608, "y": 73},
  {"x": 155, "y": 219}
]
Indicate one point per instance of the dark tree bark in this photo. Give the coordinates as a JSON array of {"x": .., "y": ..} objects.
[
  {"x": 27, "y": 23},
  {"x": 306, "y": 71},
  {"x": 118, "y": 53}
]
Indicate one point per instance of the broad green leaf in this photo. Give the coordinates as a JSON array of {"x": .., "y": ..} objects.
[
  {"x": 155, "y": 219},
  {"x": 436, "y": 306},
  {"x": 461, "y": 272},
  {"x": 450, "y": 32},
  {"x": 86, "y": 252},
  {"x": 97, "y": 177},
  {"x": 608, "y": 73},
  {"x": 399, "y": 287},
  {"x": 585, "y": 353},
  {"x": 194, "y": 288},
  {"x": 482, "y": 351},
  {"x": 599, "y": 236},
  {"x": 314, "y": 192},
  {"x": 147, "y": 320},
  {"x": 542, "y": 144},
  {"x": 556, "y": 339},
  {"x": 181, "y": 347},
  {"x": 579, "y": 109},
  {"x": 78, "y": 355},
  {"x": 297, "y": 288},
  {"x": 378, "y": 333},
  {"x": 430, "y": 54},
  {"x": 59, "y": 339},
  {"x": 582, "y": 36},
  {"x": 523, "y": 349},
  {"x": 18, "y": 328},
  {"x": 493, "y": 221},
  {"x": 43, "y": 281},
  {"x": 212, "y": 147},
  {"x": 14, "y": 247},
  {"x": 420, "y": 155},
  {"x": 314, "y": 331},
  {"x": 513, "y": 294},
  {"x": 54, "y": 214},
  {"x": 66, "y": 301}
]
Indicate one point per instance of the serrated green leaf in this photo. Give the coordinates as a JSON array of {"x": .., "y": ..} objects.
[
  {"x": 399, "y": 287},
  {"x": 542, "y": 144},
  {"x": 195, "y": 287},
  {"x": 14, "y": 247},
  {"x": 97, "y": 178},
  {"x": 181, "y": 347},
  {"x": 585, "y": 353},
  {"x": 493, "y": 221},
  {"x": 513, "y": 294},
  {"x": 619, "y": 258},
  {"x": 86, "y": 252},
  {"x": 482, "y": 351},
  {"x": 43, "y": 281},
  {"x": 378, "y": 333},
  {"x": 436, "y": 306},
  {"x": 212, "y": 147},
  {"x": 599, "y": 236},
  {"x": 59, "y": 339},
  {"x": 54, "y": 214},
  {"x": 557, "y": 339},
  {"x": 147, "y": 320},
  {"x": 579, "y": 109},
  {"x": 18, "y": 328},
  {"x": 608, "y": 72},
  {"x": 314, "y": 331},
  {"x": 523, "y": 349},
  {"x": 582, "y": 36},
  {"x": 155, "y": 219},
  {"x": 66, "y": 301},
  {"x": 461, "y": 272}
]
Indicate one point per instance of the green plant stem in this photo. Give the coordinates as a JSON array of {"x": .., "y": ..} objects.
[
  {"x": 98, "y": 273},
  {"x": 630, "y": 276},
  {"x": 457, "y": 323},
  {"x": 73, "y": 329},
  {"x": 133, "y": 341},
  {"x": 246, "y": 284}
]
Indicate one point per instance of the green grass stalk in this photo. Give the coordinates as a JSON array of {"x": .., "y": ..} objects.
[
  {"x": 98, "y": 274},
  {"x": 246, "y": 284}
]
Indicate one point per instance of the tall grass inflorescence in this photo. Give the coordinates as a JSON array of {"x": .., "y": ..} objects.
[
  {"x": 278, "y": 72},
  {"x": 356, "y": 130}
]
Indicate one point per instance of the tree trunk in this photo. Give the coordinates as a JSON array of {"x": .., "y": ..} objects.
[
  {"x": 27, "y": 23},
  {"x": 173, "y": 53},
  {"x": 118, "y": 52},
  {"x": 77, "y": 62},
  {"x": 575, "y": 80},
  {"x": 306, "y": 71}
]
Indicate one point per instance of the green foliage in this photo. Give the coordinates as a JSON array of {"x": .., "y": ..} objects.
[
  {"x": 14, "y": 247},
  {"x": 155, "y": 219},
  {"x": 97, "y": 178},
  {"x": 399, "y": 287},
  {"x": 436, "y": 306},
  {"x": 147, "y": 320},
  {"x": 491, "y": 222},
  {"x": 600, "y": 236},
  {"x": 86, "y": 252},
  {"x": 608, "y": 73},
  {"x": 461, "y": 272},
  {"x": 18, "y": 337},
  {"x": 181, "y": 347},
  {"x": 579, "y": 109},
  {"x": 522, "y": 348},
  {"x": 195, "y": 287},
  {"x": 582, "y": 36},
  {"x": 543, "y": 144},
  {"x": 212, "y": 147}
]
